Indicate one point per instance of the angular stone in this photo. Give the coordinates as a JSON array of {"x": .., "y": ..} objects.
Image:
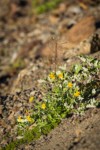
[
  {"x": 71, "y": 40},
  {"x": 82, "y": 30}
]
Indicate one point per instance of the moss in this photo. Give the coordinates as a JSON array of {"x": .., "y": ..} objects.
[
  {"x": 29, "y": 136},
  {"x": 46, "y": 129},
  {"x": 11, "y": 146},
  {"x": 46, "y": 6},
  {"x": 36, "y": 132}
]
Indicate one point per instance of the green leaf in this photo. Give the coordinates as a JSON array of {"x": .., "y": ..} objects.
[{"x": 77, "y": 68}]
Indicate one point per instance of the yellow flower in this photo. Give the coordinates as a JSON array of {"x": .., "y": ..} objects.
[
  {"x": 52, "y": 76},
  {"x": 21, "y": 120},
  {"x": 70, "y": 84},
  {"x": 29, "y": 119},
  {"x": 60, "y": 75},
  {"x": 43, "y": 106},
  {"x": 76, "y": 94},
  {"x": 31, "y": 99}
]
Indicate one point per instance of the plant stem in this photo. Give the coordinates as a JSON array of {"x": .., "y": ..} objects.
[{"x": 56, "y": 55}]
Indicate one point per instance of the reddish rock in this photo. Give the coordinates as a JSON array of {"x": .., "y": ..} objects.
[
  {"x": 72, "y": 39},
  {"x": 82, "y": 30}
]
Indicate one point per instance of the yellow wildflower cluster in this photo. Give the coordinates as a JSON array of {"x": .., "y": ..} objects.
[
  {"x": 21, "y": 120},
  {"x": 60, "y": 76},
  {"x": 70, "y": 85},
  {"x": 27, "y": 119},
  {"x": 77, "y": 93},
  {"x": 52, "y": 76},
  {"x": 43, "y": 106},
  {"x": 31, "y": 99}
]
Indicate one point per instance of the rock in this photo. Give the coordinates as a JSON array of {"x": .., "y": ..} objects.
[
  {"x": 18, "y": 84},
  {"x": 62, "y": 7},
  {"x": 73, "y": 39},
  {"x": 74, "y": 9},
  {"x": 3, "y": 123},
  {"x": 95, "y": 43},
  {"x": 53, "y": 19},
  {"x": 4, "y": 142},
  {"x": 14, "y": 9},
  {"x": 11, "y": 116},
  {"x": 82, "y": 48},
  {"x": 82, "y": 30}
]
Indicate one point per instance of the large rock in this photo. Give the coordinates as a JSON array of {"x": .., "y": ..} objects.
[
  {"x": 72, "y": 42},
  {"x": 82, "y": 30}
]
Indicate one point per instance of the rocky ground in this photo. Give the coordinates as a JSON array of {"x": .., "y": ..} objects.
[
  {"x": 27, "y": 52},
  {"x": 73, "y": 133}
]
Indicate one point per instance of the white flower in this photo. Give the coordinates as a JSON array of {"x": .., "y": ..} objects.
[
  {"x": 82, "y": 58},
  {"x": 92, "y": 103},
  {"x": 63, "y": 67},
  {"x": 58, "y": 72},
  {"x": 85, "y": 69},
  {"x": 19, "y": 137},
  {"x": 65, "y": 104},
  {"x": 90, "y": 106},
  {"x": 93, "y": 91},
  {"x": 80, "y": 98},
  {"x": 96, "y": 63}
]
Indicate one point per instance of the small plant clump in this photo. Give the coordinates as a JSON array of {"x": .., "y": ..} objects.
[
  {"x": 45, "y": 6},
  {"x": 66, "y": 93}
]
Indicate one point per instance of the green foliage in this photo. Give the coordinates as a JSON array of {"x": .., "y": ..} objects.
[
  {"x": 46, "y": 6},
  {"x": 66, "y": 93}
]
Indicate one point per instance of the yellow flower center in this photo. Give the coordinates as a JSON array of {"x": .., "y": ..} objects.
[
  {"x": 43, "y": 106},
  {"x": 29, "y": 119},
  {"x": 21, "y": 120},
  {"x": 70, "y": 84},
  {"x": 52, "y": 76},
  {"x": 60, "y": 75},
  {"x": 31, "y": 99},
  {"x": 76, "y": 94}
]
